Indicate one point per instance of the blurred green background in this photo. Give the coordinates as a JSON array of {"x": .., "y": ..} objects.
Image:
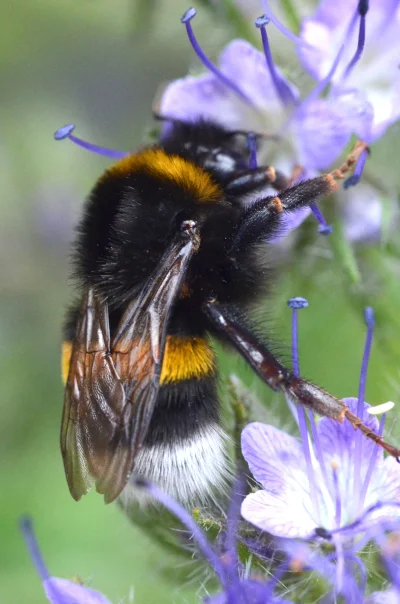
[{"x": 94, "y": 64}]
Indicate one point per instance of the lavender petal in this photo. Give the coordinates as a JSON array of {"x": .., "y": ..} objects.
[
  {"x": 62, "y": 591},
  {"x": 287, "y": 514}
]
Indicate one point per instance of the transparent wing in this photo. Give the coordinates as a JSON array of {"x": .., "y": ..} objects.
[{"x": 112, "y": 385}]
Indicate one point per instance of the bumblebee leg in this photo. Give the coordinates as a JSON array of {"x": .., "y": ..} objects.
[
  {"x": 262, "y": 218},
  {"x": 281, "y": 379},
  {"x": 252, "y": 179}
]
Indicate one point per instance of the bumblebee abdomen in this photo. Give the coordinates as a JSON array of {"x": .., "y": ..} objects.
[{"x": 184, "y": 451}]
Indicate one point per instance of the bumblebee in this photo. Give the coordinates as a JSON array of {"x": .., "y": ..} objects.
[{"x": 170, "y": 252}]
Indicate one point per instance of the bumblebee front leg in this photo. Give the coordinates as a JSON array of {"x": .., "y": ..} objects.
[
  {"x": 281, "y": 379},
  {"x": 263, "y": 217}
]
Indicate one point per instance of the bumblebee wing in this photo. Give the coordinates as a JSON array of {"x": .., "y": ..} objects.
[
  {"x": 111, "y": 390},
  {"x": 94, "y": 399}
]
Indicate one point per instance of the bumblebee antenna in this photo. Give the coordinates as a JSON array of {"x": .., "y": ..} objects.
[{"x": 66, "y": 132}]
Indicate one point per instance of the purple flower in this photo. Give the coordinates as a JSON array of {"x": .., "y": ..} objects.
[
  {"x": 237, "y": 583},
  {"x": 248, "y": 91},
  {"x": 367, "y": 81},
  {"x": 333, "y": 484},
  {"x": 58, "y": 591}
]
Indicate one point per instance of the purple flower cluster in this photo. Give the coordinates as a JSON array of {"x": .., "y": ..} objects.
[
  {"x": 351, "y": 50},
  {"x": 334, "y": 486}
]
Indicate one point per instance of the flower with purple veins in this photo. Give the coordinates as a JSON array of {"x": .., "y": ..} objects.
[
  {"x": 58, "y": 591},
  {"x": 367, "y": 79},
  {"x": 333, "y": 484},
  {"x": 249, "y": 91}
]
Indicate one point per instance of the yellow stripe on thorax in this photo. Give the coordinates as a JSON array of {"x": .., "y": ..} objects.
[
  {"x": 184, "y": 359},
  {"x": 179, "y": 171}
]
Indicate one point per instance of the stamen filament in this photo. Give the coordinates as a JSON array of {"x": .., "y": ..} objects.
[
  {"x": 320, "y": 87},
  {"x": 66, "y": 132},
  {"x": 28, "y": 534},
  {"x": 369, "y": 319},
  {"x": 324, "y": 228},
  {"x": 372, "y": 463},
  {"x": 252, "y": 147},
  {"x": 295, "y": 304},
  {"x": 186, "y": 20},
  {"x": 363, "y": 6},
  {"x": 355, "y": 177},
  {"x": 282, "y": 88},
  {"x": 282, "y": 28}
]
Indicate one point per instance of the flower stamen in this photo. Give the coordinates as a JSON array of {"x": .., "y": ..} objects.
[
  {"x": 66, "y": 132},
  {"x": 371, "y": 464},
  {"x": 282, "y": 88},
  {"x": 320, "y": 87},
  {"x": 252, "y": 147},
  {"x": 186, "y": 20},
  {"x": 28, "y": 534},
  {"x": 363, "y": 6},
  {"x": 295, "y": 304},
  {"x": 324, "y": 228},
  {"x": 369, "y": 319}
]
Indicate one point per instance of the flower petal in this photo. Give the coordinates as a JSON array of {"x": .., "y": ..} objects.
[
  {"x": 273, "y": 456},
  {"x": 322, "y": 133},
  {"x": 62, "y": 591},
  {"x": 324, "y": 34},
  {"x": 286, "y": 514},
  {"x": 276, "y": 459},
  {"x": 389, "y": 596},
  {"x": 338, "y": 439},
  {"x": 247, "y": 66},
  {"x": 362, "y": 213},
  {"x": 355, "y": 109},
  {"x": 289, "y": 222},
  {"x": 192, "y": 98}
]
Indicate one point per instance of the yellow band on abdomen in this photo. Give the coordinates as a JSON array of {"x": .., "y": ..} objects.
[{"x": 186, "y": 359}]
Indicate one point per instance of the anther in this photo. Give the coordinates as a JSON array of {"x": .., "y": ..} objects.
[
  {"x": 369, "y": 317},
  {"x": 186, "y": 20},
  {"x": 297, "y": 302},
  {"x": 66, "y": 132},
  {"x": 324, "y": 228},
  {"x": 382, "y": 408},
  {"x": 283, "y": 90},
  {"x": 262, "y": 21},
  {"x": 189, "y": 15},
  {"x": 363, "y": 6}
]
